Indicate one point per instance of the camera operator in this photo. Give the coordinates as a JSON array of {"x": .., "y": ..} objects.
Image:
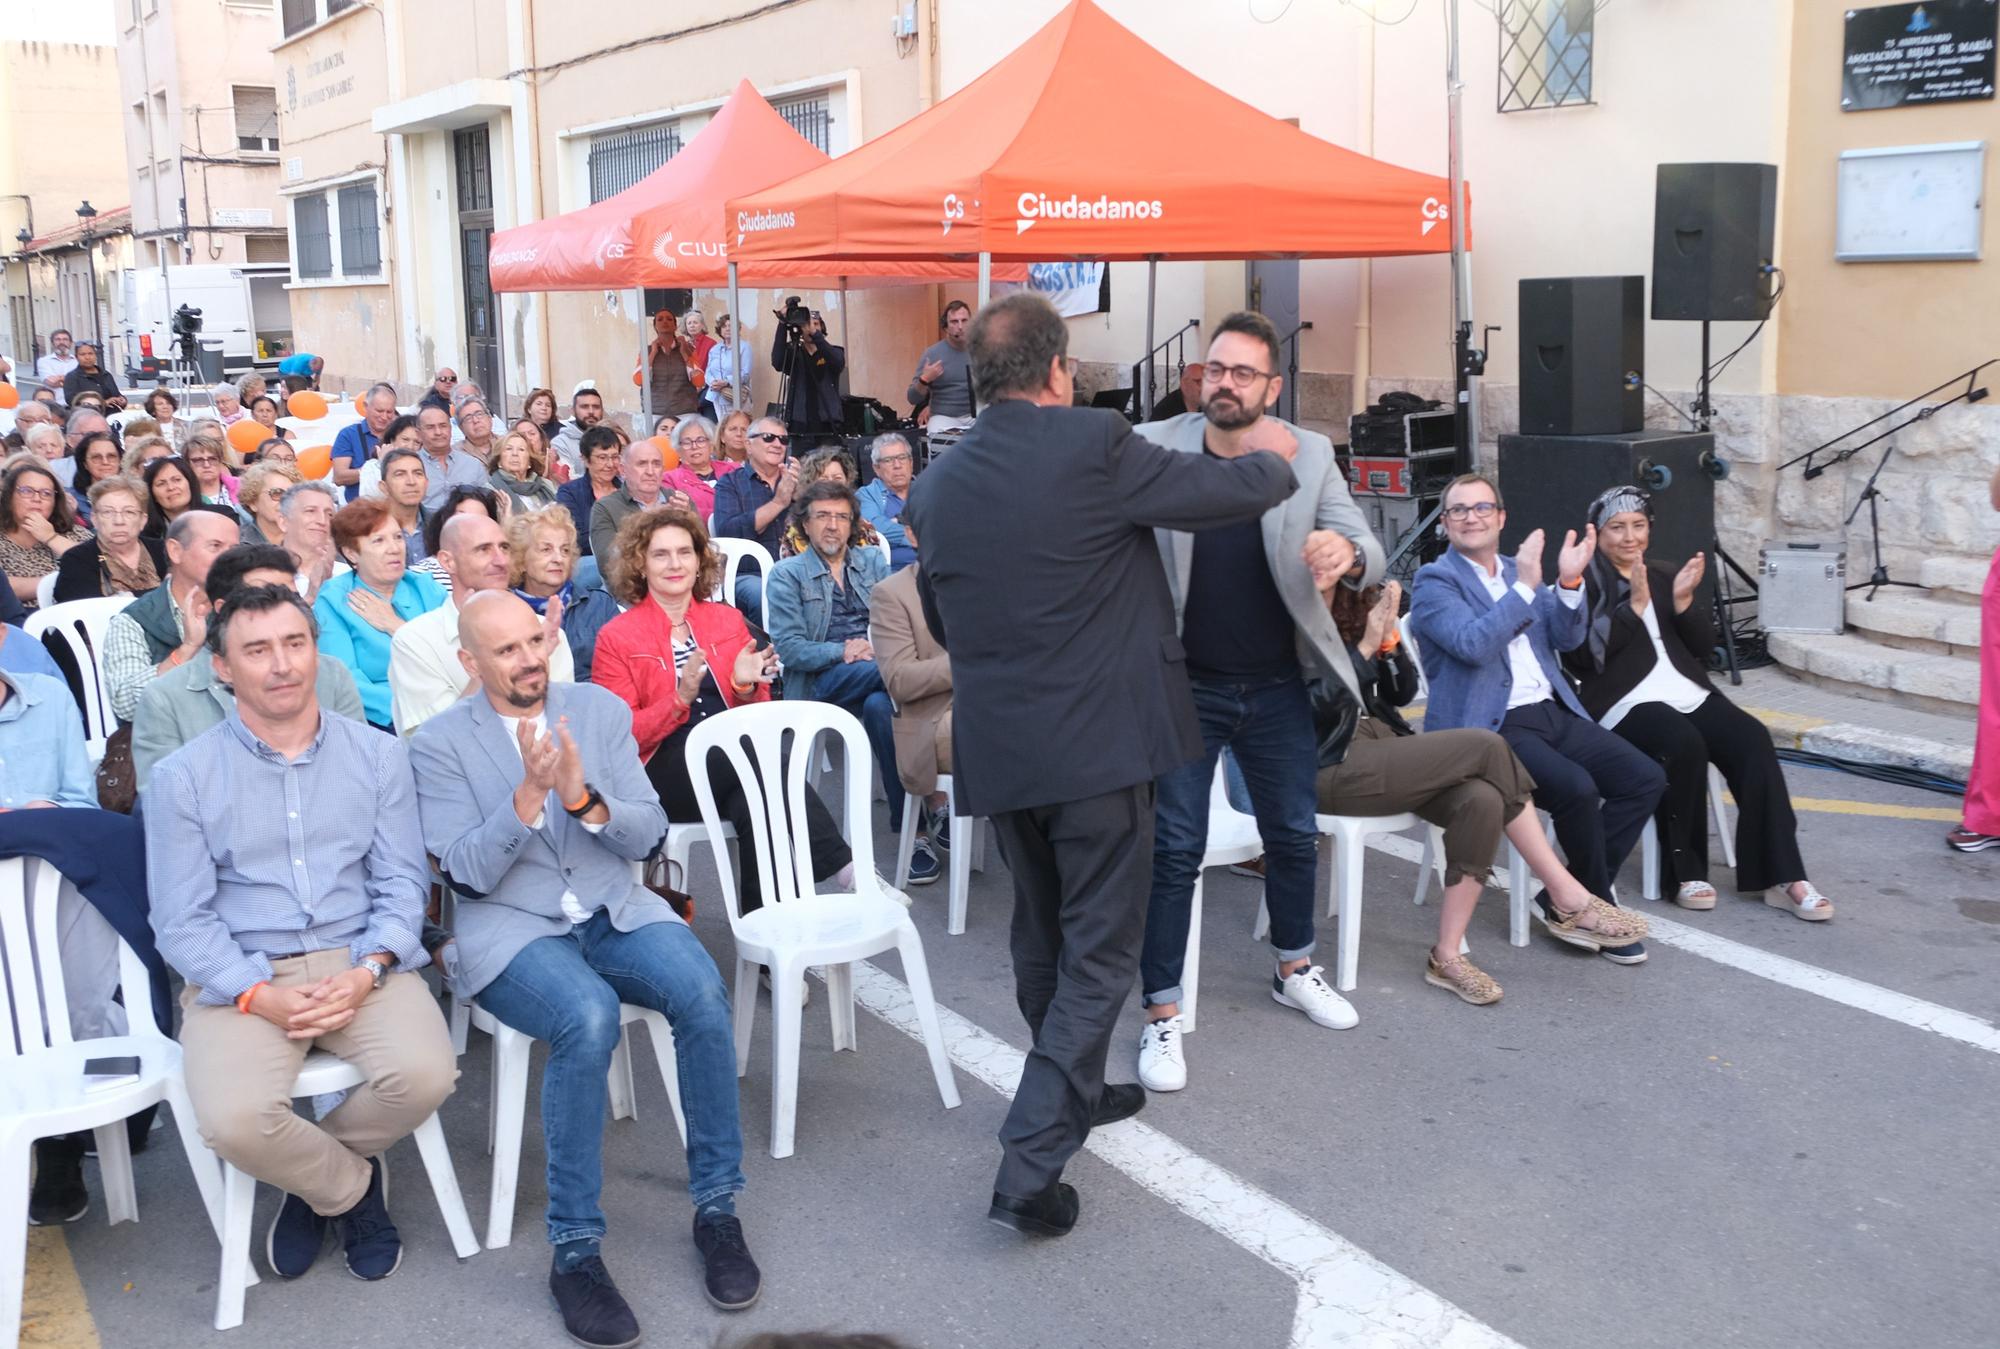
[
  {"x": 941, "y": 392},
  {"x": 811, "y": 366}
]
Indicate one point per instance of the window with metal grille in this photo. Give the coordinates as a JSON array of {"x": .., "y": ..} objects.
[
  {"x": 1545, "y": 53},
  {"x": 256, "y": 117},
  {"x": 312, "y": 243},
  {"x": 360, "y": 231},
  {"x": 619, "y": 159},
  {"x": 810, "y": 117}
]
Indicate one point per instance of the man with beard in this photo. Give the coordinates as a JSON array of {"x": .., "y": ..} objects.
[
  {"x": 1251, "y": 602},
  {"x": 1071, "y": 697},
  {"x": 943, "y": 382},
  {"x": 535, "y": 804}
]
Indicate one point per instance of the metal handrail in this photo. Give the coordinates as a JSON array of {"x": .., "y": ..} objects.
[{"x": 1178, "y": 339}]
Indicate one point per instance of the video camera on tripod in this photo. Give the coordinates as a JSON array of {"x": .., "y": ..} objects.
[
  {"x": 795, "y": 315},
  {"x": 186, "y": 322}
]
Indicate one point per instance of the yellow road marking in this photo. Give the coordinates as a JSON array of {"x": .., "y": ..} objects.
[
  {"x": 54, "y": 1312},
  {"x": 1787, "y": 728},
  {"x": 1826, "y": 806}
]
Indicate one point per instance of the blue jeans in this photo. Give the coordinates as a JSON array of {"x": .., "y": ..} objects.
[
  {"x": 857, "y": 687},
  {"x": 565, "y": 991},
  {"x": 749, "y": 596},
  {"x": 1268, "y": 728},
  {"x": 587, "y": 575}
]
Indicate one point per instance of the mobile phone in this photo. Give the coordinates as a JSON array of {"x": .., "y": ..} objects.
[{"x": 760, "y": 640}]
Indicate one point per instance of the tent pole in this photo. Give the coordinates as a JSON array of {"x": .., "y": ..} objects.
[
  {"x": 735, "y": 340},
  {"x": 645, "y": 366},
  {"x": 985, "y": 278},
  {"x": 1146, "y": 375},
  {"x": 1467, "y": 362}
]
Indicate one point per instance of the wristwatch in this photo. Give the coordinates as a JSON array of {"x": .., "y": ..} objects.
[{"x": 376, "y": 969}]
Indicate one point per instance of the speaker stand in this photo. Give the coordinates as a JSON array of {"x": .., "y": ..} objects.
[{"x": 1870, "y": 495}]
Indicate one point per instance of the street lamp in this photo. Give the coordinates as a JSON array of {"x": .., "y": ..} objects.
[
  {"x": 87, "y": 213},
  {"x": 24, "y": 237}
]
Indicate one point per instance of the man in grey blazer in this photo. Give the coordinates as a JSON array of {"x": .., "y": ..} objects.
[
  {"x": 1250, "y": 602},
  {"x": 536, "y": 807},
  {"x": 187, "y": 700}
]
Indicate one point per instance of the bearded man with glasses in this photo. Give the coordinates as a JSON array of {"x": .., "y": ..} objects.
[{"x": 1487, "y": 631}]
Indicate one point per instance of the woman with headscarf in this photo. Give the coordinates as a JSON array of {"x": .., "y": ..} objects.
[{"x": 1641, "y": 672}]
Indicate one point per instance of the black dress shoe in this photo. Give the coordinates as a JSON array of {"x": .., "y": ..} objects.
[
  {"x": 1121, "y": 1100},
  {"x": 594, "y": 1312},
  {"x": 1049, "y": 1214},
  {"x": 729, "y": 1276},
  {"x": 58, "y": 1195}
]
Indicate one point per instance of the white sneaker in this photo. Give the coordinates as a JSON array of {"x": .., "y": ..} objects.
[
  {"x": 1161, "y": 1067},
  {"x": 1314, "y": 996},
  {"x": 891, "y": 891}
]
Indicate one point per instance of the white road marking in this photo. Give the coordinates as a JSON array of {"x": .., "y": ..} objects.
[
  {"x": 1849, "y": 992},
  {"x": 1347, "y": 1297}
]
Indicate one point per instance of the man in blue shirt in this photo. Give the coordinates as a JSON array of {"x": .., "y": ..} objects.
[
  {"x": 882, "y": 501},
  {"x": 357, "y": 444},
  {"x": 444, "y": 464},
  {"x": 22, "y": 654},
  {"x": 302, "y": 364},
  {"x": 295, "y": 920},
  {"x": 753, "y": 504}
]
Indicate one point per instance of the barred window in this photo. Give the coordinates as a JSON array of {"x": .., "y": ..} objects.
[
  {"x": 312, "y": 244},
  {"x": 619, "y": 159},
  {"x": 1545, "y": 53},
  {"x": 810, "y": 117},
  {"x": 360, "y": 231}
]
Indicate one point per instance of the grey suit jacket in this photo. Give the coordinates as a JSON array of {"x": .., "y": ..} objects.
[
  {"x": 182, "y": 703},
  {"x": 1321, "y": 502},
  {"x": 510, "y": 877}
]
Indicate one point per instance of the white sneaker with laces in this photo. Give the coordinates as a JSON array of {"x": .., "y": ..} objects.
[
  {"x": 1161, "y": 1066},
  {"x": 1314, "y": 996}
]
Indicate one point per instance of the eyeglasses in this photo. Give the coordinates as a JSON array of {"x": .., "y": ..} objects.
[
  {"x": 122, "y": 513},
  {"x": 1461, "y": 513},
  {"x": 35, "y": 493},
  {"x": 1239, "y": 375},
  {"x": 446, "y": 379},
  {"x": 275, "y": 494},
  {"x": 772, "y": 437},
  {"x": 198, "y": 459},
  {"x": 831, "y": 518},
  {"x": 894, "y": 459},
  {"x": 696, "y": 440}
]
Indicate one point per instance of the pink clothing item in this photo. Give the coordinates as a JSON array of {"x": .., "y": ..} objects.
[
  {"x": 1982, "y": 785},
  {"x": 229, "y": 482},
  {"x": 702, "y": 494}
]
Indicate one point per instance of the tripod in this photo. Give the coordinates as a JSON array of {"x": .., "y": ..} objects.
[{"x": 1870, "y": 494}]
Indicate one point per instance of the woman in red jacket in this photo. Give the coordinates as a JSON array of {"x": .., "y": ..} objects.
[{"x": 678, "y": 658}]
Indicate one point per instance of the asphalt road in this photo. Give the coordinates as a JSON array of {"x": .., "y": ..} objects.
[{"x": 1686, "y": 1152}]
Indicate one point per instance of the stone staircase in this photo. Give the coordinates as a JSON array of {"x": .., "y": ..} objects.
[{"x": 1918, "y": 648}]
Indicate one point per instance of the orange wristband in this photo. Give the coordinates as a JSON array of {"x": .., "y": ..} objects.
[
  {"x": 1392, "y": 641},
  {"x": 1577, "y": 584},
  {"x": 573, "y": 808},
  {"x": 243, "y": 998}
]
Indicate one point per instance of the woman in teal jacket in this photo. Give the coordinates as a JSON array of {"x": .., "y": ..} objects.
[{"x": 360, "y": 611}]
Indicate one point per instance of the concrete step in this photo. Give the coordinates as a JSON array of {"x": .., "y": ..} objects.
[
  {"x": 1914, "y": 614},
  {"x": 1955, "y": 576},
  {"x": 1856, "y": 665}
]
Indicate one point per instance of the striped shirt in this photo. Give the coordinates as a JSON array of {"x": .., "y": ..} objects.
[{"x": 250, "y": 856}]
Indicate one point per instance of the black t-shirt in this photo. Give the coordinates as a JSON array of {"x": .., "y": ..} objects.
[{"x": 1235, "y": 625}]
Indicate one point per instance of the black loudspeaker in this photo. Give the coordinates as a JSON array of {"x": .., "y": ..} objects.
[
  {"x": 1714, "y": 231},
  {"x": 1550, "y": 481},
  {"x": 1583, "y": 355}
]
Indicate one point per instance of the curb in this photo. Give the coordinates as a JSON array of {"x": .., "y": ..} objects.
[{"x": 1866, "y": 744}]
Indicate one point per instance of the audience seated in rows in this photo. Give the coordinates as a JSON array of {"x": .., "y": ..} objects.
[
  {"x": 165, "y": 627},
  {"x": 360, "y": 441},
  {"x": 542, "y": 560},
  {"x": 520, "y": 474},
  {"x": 171, "y": 491},
  {"x": 461, "y": 500},
  {"x": 586, "y": 409},
  {"x": 402, "y": 491},
  {"x": 119, "y": 560},
  {"x": 361, "y": 611},
  {"x": 642, "y": 473},
  {"x": 603, "y": 452},
  {"x": 37, "y": 525},
  {"x": 699, "y": 469},
  {"x": 829, "y": 463},
  {"x": 260, "y": 494},
  {"x": 445, "y": 465},
  {"x": 883, "y": 500}
]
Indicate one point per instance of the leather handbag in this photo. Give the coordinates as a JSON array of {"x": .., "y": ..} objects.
[{"x": 117, "y": 778}]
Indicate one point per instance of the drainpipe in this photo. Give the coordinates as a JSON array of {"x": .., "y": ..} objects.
[{"x": 1364, "y": 305}]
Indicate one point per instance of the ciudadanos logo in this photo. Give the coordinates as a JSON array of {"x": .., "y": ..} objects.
[
  {"x": 756, "y": 222},
  {"x": 1036, "y": 206}
]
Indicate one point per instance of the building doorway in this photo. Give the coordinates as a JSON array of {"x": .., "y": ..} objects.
[{"x": 472, "y": 155}]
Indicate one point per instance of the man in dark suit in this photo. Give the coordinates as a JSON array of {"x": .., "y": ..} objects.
[{"x": 1071, "y": 696}]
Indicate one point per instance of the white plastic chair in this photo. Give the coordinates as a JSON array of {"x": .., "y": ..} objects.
[
  {"x": 42, "y": 1090},
  {"x": 1232, "y": 838},
  {"x": 1649, "y": 840},
  {"x": 370, "y": 484},
  {"x": 80, "y": 624},
  {"x": 882, "y": 542},
  {"x": 1349, "y": 834},
  {"x": 769, "y": 746},
  {"x": 734, "y": 552},
  {"x": 968, "y": 850},
  {"x": 1410, "y": 645},
  {"x": 45, "y": 590}
]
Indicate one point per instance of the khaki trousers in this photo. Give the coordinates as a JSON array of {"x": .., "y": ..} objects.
[
  {"x": 1466, "y": 780},
  {"x": 240, "y": 1070}
]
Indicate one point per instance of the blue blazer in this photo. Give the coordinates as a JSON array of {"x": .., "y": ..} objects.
[{"x": 1462, "y": 636}]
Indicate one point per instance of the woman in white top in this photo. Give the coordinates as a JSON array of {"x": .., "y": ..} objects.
[{"x": 1642, "y": 673}]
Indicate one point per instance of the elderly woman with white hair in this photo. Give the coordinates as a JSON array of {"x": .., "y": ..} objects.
[
  {"x": 228, "y": 404},
  {"x": 694, "y": 440}
]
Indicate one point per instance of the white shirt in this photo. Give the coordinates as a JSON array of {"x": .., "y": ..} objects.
[
  {"x": 1662, "y": 684},
  {"x": 572, "y": 907},
  {"x": 425, "y": 676},
  {"x": 54, "y": 366},
  {"x": 1530, "y": 684}
]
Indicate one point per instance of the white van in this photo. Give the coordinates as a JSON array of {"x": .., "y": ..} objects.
[{"x": 244, "y": 305}]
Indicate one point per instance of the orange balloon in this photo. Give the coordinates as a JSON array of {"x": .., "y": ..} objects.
[
  {"x": 361, "y": 404},
  {"x": 316, "y": 462},
  {"x": 635, "y": 377},
  {"x": 9, "y": 396},
  {"x": 307, "y": 404},
  {"x": 667, "y": 452},
  {"x": 245, "y": 436}
]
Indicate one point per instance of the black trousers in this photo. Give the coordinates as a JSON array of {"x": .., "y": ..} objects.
[
  {"x": 1082, "y": 873},
  {"x": 668, "y": 772},
  {"x": 1576, "y": 764},
  {"x": 1685, "y": 744}
]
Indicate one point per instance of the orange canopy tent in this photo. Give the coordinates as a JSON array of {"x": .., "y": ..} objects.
[{"x": 1057, "y": 152}]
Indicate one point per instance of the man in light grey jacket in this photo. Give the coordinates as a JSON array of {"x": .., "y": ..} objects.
[
  {"x": 1251, "y": 602},
  {"x": 536, "y": 806}
]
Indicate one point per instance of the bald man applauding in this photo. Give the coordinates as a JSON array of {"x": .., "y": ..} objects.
[
  {"x": 425, "y": 673},
  {"x": 536, "y": 806}
]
